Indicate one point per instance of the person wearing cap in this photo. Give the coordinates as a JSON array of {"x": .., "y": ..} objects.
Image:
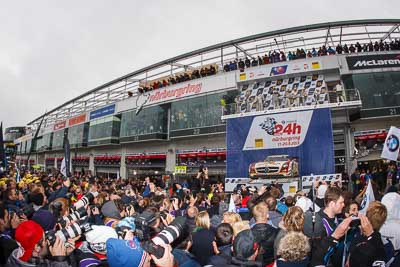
[
  {"x": 319, "y": 201},
  {"x": 34, "y": 248},
  {"x": 245, "y": 250},
  {"x": 93, "y": 250}
]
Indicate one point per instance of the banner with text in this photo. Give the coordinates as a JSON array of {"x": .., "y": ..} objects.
[
  {"x": 281, "y": 68},
  {"x": 283, "y": 144},
  {"x": 179, "y": 91}
]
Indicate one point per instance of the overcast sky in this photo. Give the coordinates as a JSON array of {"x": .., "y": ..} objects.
[{"x": 52, "y": 51}]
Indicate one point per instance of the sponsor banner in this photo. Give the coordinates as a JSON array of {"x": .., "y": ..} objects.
[
  {"x": 284, "y": 144},
  {"x": 265, "y": 71},
  {"x": 370, "y": 134},
  {"x": 392, "y": 144},
  {"x": 315, "y": 65},
  {"x": 373, "y": 61},
  {"x": 329, "y": 178},
  {"x": 179, "y": 91},
  {"x": 276, "y": 131},
  {"x": 278, "y": 70},
  {"x": 101, "y": 112},
  {"x": 77, "y": 120},
  {"x": 180, "y": 169},
  {"x": 60, "y": 125}
]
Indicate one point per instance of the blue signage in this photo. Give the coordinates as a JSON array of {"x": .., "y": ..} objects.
[
  {"x": 101, "y": 112},
  {"x": 280, "y": 145}
]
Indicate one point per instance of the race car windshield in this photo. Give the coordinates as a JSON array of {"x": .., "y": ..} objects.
[{"x": 276, "y": 159}]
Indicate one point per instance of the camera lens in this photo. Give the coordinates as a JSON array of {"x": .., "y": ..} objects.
[
  {"x": 88, "y": 198},
  {"x": 172, "y": 232}
]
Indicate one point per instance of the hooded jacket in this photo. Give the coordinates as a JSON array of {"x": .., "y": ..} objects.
[
  {"x": 265, "y": 235},
  {"x": 325, "y": 249},
  {"x": 390, "y": 229}
]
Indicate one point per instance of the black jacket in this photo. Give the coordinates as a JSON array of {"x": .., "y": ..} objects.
[
  {"x": 7, "y": 246},
  {"x": 202, "y": 247},
  {"x": 265, "y": 235},
  {"x": 223, "y": 258},
  {"x": 364, "y": 251},
  {"x": 325, "y": 249}
]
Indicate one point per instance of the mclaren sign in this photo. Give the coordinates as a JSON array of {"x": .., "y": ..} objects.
[{"x": 373, "y": 61}]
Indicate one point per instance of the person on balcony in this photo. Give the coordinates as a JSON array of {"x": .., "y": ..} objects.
[{"x": 340, "y": 96}]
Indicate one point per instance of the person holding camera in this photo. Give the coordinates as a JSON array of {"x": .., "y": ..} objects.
[
  {"x": 35, "y": 249},
  {"x": 201, "y": 182},
  {"x": 368, "y": 249},
  {"x": 61, "y": 191}
]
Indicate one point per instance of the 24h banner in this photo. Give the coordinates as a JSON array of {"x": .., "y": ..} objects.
[{"x": 283, "y": 144}]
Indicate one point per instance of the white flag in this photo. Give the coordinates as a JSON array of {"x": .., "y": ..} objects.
[
  {"x": 368, "y": 198},
  {"x": 391, "y": 145},
  {"x": 63, "y": 168},
  {"x": 232, "y": 207}
]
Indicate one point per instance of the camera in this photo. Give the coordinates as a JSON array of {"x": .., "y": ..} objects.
[
  {"x": 66, "y": 233},
  {"x": 76, "y": 215},
  {"x": 166, "y": 236},
  {"x": 87, "y": 199},
  {"x": 129, "y": 207},
  {"x": 202, "y": 168},
  {"x": 143, "y": 222},
  {"x": 26, "y": 210},
  {"x": 356, "y": 222}
]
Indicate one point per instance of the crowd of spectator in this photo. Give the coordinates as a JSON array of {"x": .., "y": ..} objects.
[
  {"x": 272, "y": 57},
  {"x": 50, "y": 220},
  {"x": 179, "y": 78},
  {"x": 280, "y": 56}
]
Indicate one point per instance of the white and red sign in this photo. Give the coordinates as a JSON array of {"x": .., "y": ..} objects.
[
  {"x": 278, "y": 130},
  {"x": 179, "y": 91},
  {"x": 60, "y": 125}
]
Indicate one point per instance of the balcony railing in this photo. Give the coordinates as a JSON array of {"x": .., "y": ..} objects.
[{"x": 273, "y": 104}]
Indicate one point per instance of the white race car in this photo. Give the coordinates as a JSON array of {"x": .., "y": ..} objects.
[{"x": 277, "y": 165}]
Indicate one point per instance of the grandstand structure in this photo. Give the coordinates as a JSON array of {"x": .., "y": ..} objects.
[{"x": 173, "y": 112}]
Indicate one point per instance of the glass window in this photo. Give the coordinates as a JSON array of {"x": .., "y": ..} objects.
[
  {"x": 201, "y": 111},
  {"x": 104, "y": 129},
  {"x": 58, "y": 139},
  {"x": 28, "y": 146},
  {"x": 39, "y": 143},
  {"x": 377, "y": 89},
  {"x": 149, "y": 121},
  {"x": 47, "y": 141},
  {"x": 21, "y": 147},
  {"x": 78, "y": 135}
]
